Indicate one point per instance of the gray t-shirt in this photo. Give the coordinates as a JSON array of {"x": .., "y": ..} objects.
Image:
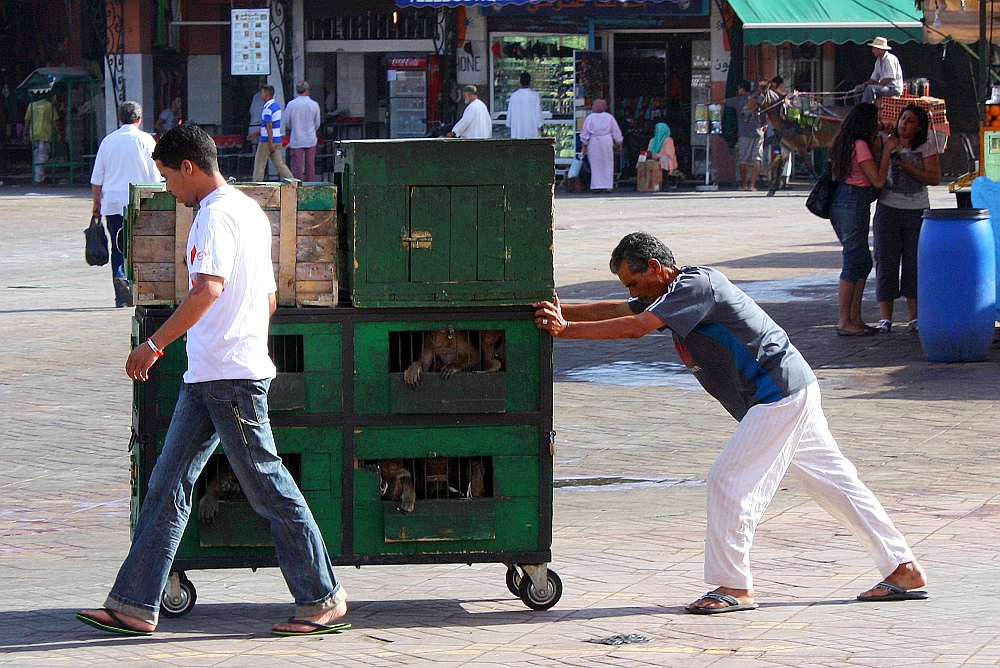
[
  {"x": 902, "y": 191},
  {"x": 738, "y": 354},
  {"x": 750, "y": 125}
]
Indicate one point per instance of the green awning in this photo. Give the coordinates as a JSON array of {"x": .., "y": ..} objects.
[{"x": 819, "y": 21}]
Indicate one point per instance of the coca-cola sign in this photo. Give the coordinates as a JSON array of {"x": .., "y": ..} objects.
[{"x": 406, "y": 63}]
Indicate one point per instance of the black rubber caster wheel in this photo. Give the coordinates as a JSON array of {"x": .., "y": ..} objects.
[
  {"x": 180, "y": 605},
  {"x": 514, "y": 581},
  {"x": 541, "y": 600}
]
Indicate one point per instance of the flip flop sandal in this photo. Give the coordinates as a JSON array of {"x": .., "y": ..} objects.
[
  {"x": 896, "y": 593},
  {"x": 884, "y": 325},
  {"x": 732, "y": 605},
  {"x": 318, "y": 629},
  {"x": 122, "y": 627}
]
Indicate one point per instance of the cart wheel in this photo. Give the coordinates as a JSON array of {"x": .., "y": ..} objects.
[
  {"x": 514, "y": 581},
  {"x": 177, "y": 606},
  {"x": 541, "y": 600}
]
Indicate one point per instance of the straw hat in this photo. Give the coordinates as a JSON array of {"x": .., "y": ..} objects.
[{"x": 880, "y": 43}]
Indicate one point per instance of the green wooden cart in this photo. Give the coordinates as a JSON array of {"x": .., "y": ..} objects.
[{"x": 478, "y": 446}]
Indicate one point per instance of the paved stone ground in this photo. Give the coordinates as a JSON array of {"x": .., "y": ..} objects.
[{"x": 630, "y": 555}]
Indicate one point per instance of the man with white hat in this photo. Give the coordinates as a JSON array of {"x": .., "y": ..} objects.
[{"x": 887, "y": 77}]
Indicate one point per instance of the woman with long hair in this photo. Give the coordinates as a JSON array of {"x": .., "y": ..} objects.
[
  {"x": 913, "y": 164},
  {"x": 858, "y": 175}
]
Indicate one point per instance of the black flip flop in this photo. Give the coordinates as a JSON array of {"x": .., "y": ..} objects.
[
  {"x": 896, "y": 593},
  {"x": 122, "y": 627},
  {"x": 732, "y": 605},
  {"x": 318, "y": 629}
]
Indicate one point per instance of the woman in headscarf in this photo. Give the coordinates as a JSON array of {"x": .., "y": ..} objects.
[
  {"x": 599, "y": 135},
  {"x": 661, "y": 147}
]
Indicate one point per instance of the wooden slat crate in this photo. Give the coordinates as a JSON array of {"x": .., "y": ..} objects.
[{"x": 303, "y": 242}]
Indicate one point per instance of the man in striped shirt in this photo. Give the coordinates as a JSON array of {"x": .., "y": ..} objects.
[
  {"x": 744, "y": 360},
  {"x": 269, "y": 147}
]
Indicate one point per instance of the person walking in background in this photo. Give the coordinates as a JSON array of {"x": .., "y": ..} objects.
[
  {"x": 269, "y": 132},
  {"x": 910, "y": 162},
  {"x": 745, "y": 361},
  {"x": 887, "y": 77},
  {"x": 303, "y": 117},
  {"x": 40, "y": 129},
  {"x": 169, "y": 117},
  {"x": 524, "y": 111},
  {"x": 858, "y": 175},
  {"x": 661, "y": 147},
  {"x": 600, "y": 135},
  {"x": 750, "y": 142},
  {"x": 475, "y": 122},
  {"x": 222, "y": 401},
  {"x": 125, "y": 156}
]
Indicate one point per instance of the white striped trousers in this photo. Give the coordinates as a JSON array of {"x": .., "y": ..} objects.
[{"x": 791, "y": 434}]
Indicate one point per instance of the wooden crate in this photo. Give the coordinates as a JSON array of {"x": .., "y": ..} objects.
[{"x": 303, "y": 242}]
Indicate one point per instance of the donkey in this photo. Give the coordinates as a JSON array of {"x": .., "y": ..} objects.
[{"x": 797, "y": 137}]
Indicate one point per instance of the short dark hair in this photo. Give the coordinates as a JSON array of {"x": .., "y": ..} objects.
[
  {"x": 525, "y": 79},
  {"x": 745, "y": 85},
  {"x": 187, "y": 142},
  {"x": 638, "y": 248},
  {"x": 129, "y": 112},
  {"x": 777, "y": 81},
  {"x": 268, "y": 88}
]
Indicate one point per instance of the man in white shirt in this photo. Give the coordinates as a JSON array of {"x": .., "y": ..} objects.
[
  {"x": 124, "y": 157},
  {"x": 524, "y": 111},
  {"x": 887, "y": 77},
  {"x": 302, "y": 119},
  {"x": 475, "y": 122},
  {"x": 225, "y": 315}
]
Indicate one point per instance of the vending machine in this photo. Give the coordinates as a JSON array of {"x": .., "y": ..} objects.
[{"x": 407, "y": 96}]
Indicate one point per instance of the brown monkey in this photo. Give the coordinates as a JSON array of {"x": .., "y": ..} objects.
[
  {"x": 397, "y": 484},
  {"x": 492, "y": 343},
  {"x": 446, "y": 351},
  {"x": 476, "y": 483},
  {"x": 222, "y": 485}
]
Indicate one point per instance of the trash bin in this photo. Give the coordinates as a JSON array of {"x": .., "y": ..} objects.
[
  {"x": 986, "y": 195},
  {"x": 956, "y": 265}
]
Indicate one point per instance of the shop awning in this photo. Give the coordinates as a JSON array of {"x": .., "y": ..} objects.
[
  {"x": 497, "y": 3},
  {"x": 41, "y": 81},
  {"x": 837, "y": 21}
]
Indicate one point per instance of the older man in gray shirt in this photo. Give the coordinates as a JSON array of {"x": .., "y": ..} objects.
[{"x": 302, "y": 119}]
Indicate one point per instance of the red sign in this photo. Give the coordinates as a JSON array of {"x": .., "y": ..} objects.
[{"x": 406, "y": 63}]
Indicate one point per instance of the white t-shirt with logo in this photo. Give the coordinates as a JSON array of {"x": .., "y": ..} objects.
[{"x": 231, "y": 238}]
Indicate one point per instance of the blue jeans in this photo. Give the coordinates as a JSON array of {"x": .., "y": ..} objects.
[
  {"x": 233, "y": 412},
  {"x": 850, "y": 216},
  {"x": 115, "y": 235}
]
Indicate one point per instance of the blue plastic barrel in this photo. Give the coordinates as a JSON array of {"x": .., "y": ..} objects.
[{"x": 956, "y": 284}]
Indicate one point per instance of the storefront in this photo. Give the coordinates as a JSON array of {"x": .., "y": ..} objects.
[
  {"x": 550, "y": 60},
  {"x": 648, "y": 59}
]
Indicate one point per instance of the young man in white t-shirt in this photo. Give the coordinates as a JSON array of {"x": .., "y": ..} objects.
[{"x": 225, "y": 315}]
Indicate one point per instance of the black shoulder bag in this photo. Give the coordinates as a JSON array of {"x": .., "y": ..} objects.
[{"x": 820, "y": 199}]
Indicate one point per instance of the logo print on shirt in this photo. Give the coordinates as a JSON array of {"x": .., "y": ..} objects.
[
  {"x": 685, "y": 355},
  {"x": 194, "y": 251}
]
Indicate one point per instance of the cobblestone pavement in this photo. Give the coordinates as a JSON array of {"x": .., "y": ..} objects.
[{"x": 630, "y": 553}]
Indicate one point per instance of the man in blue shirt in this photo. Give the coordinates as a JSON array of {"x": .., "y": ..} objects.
[
  {"x": 269, "y": 147},
  {"x": 744, "y": 360}
]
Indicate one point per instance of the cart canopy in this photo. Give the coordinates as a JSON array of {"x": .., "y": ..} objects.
[{"x": 42, "y": 80}]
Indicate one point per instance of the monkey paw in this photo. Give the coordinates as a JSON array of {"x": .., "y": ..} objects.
[{"x": 412, "y": 376}]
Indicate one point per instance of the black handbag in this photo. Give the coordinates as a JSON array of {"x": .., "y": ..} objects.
[
  {"x": 97, "y": 243},
  {"x": 820, "y": 199}
]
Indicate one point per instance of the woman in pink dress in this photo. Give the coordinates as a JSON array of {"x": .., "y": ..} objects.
[{"x": 599, "y": 136}]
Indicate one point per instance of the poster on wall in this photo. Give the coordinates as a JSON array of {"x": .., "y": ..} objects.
[{"x": 251, "y": 41}]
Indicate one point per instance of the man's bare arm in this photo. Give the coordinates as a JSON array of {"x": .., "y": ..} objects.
[
  {"x": 621, "y": 323},
  {"x": 200, "y": 298},
  {"x": 595, "y": 311}
]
